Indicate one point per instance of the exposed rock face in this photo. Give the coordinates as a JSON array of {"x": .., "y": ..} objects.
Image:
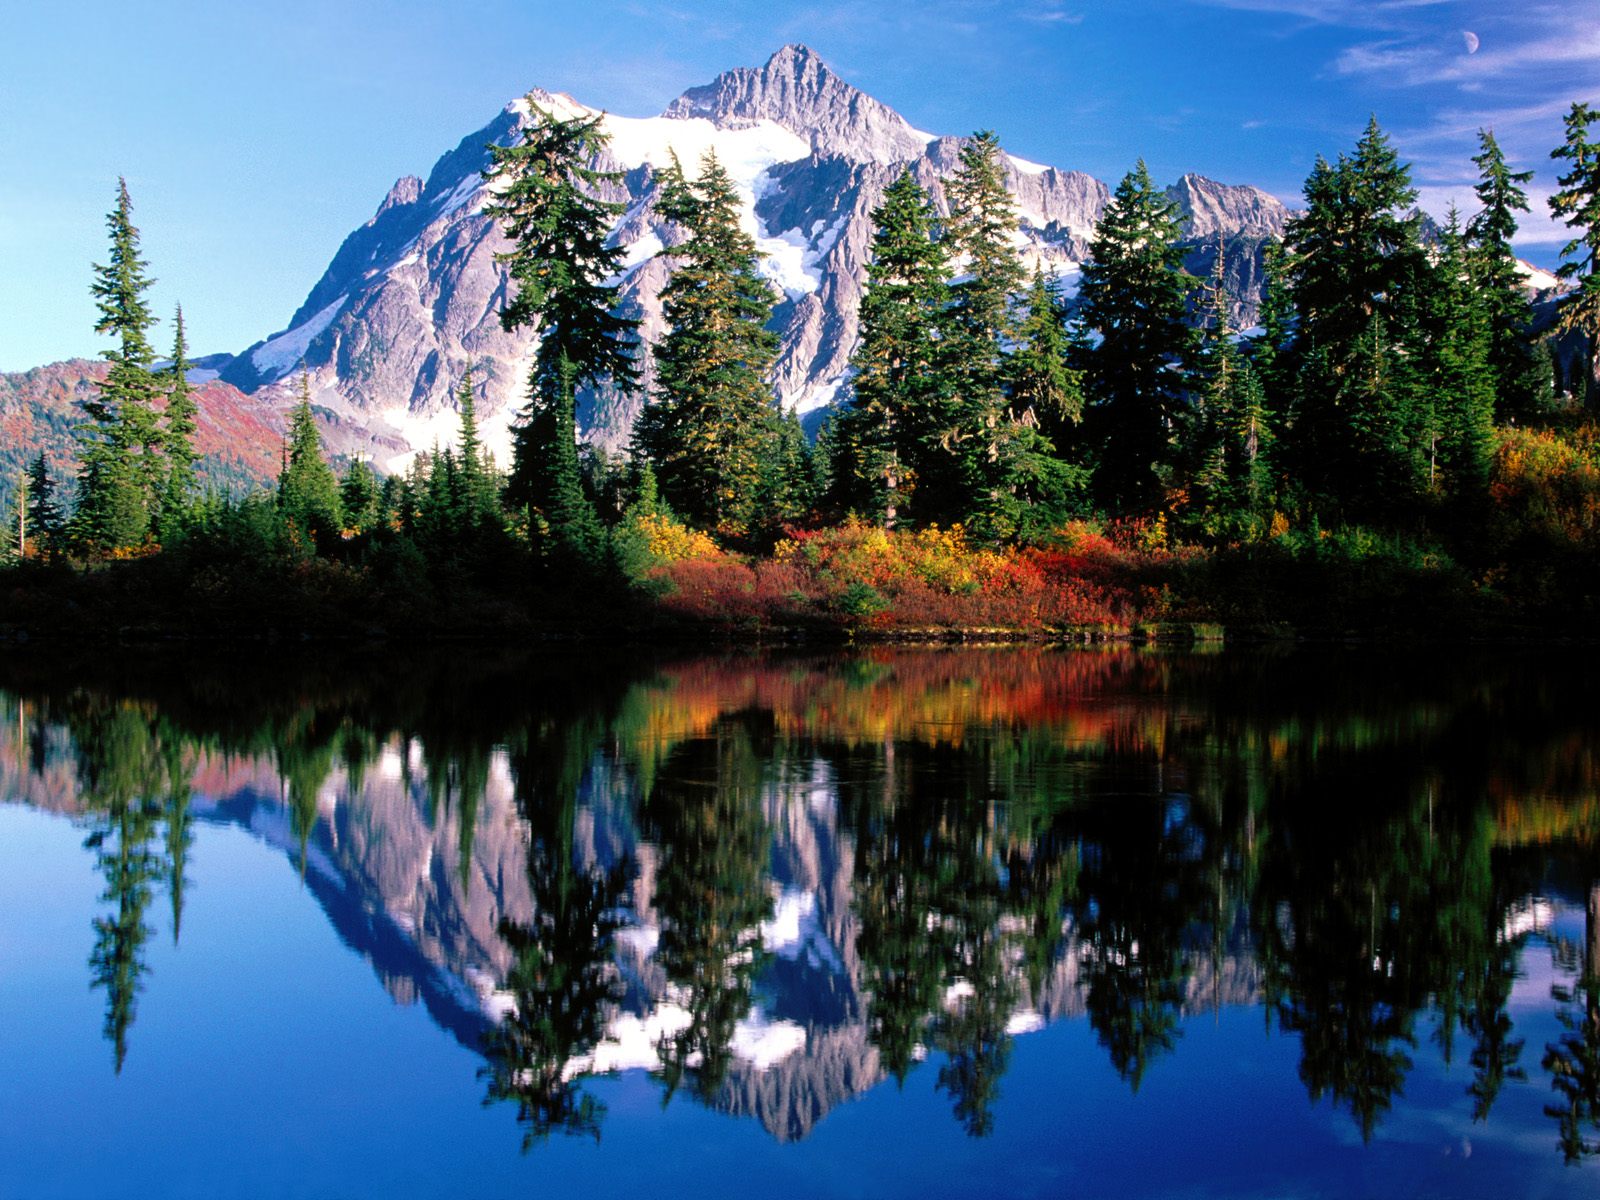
[
  {"x": 1210, "y": 208},
  {"x": 412, "y": 299},
  {"x": 798, "y": 91}
]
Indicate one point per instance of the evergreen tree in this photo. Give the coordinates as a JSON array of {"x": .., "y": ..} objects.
[
  {"x": 1046, "y": 409},
  {"x": 475, "y": 469},
  {"x": 1459, "y": 375},
  {"x": 1135, "y": 295},
  {"x": 877, "y": 445},
  {"x": 1579, "y": 202},
  {"x": 787, "y": 492},
  {"x": 178, "y": 435},
  {"x": 983, "y": 224},
  {"x": 559, "y": 227},
  {"x": 1520, "y": 375},
  {"x": 1359, "y": 278},
  {"x": 1355, "y": 251},
  {"x": 360, "y": 497},
  {"x": 713, "y": 423},
  {"x": 1270, "y": 353},
  {"x": 1004, "y": 477},
  {"x": 1231, "y": 486},
  {"x": 308, "y": 493},
  {"x": 118, "y": 483},
  {"x": 44, "y": 522},
  {"x": 1045, "y": 389}
]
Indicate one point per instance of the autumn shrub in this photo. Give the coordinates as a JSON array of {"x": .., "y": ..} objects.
[{"x": 1546, "y": 483}]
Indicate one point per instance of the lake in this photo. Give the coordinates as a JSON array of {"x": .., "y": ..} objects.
[{"x": 896, "y": 922}]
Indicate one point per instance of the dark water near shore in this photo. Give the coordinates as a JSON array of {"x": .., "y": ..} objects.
[{"x": 920, "y": 923}]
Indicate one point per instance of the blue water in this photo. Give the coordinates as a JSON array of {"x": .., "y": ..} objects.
[{"x": 267, "y": 1058}]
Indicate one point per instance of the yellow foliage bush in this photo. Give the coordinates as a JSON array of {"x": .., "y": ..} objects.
[
  {"x": 672, "y": 541},
  {"x": 1550, "y": 480}
]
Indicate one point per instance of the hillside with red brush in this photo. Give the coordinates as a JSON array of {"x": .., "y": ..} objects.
[{"x": 238, "y": 437}]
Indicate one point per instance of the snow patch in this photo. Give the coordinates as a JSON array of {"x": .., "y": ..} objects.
[
  {"x": 958, "y": 993},
  {"x": 818, "y": 395},
  {"x": 745, "y": 153},
  {"x": 635, "y": 254},
  {"x": 423, "y": 431},
  {"x": 1026, "y": 167},
  {"x": 784, "y": 263},
  {"x": 276, "y": 356},
  {"x": 1535, "y": 278},
  {"x": 463, "y": 191},
  {"x": 557, "y": 104}
]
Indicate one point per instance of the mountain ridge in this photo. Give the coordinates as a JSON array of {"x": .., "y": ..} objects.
[{"x": 411, "y": 299}]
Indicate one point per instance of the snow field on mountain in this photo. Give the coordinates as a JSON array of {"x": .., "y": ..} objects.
[{"x": 289, "y": 347}]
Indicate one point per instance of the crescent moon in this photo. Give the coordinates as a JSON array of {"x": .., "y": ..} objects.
[{"x": 1471, "y": 39}]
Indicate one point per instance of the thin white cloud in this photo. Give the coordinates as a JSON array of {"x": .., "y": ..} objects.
[
  {"x": 1355, "y": 14},
  {"x": 1440, "y": 61},
  {"x": 1051, "y": 15}
]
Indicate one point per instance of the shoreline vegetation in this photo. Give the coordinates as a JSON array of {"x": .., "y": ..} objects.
[{"x": 1396, "y": 452}]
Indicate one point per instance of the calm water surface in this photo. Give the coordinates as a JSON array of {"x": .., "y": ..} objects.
[{"x": 907, "y": 923}]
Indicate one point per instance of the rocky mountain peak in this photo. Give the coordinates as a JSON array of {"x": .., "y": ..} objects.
[
  {"x": 1210, "y": 207},
  {"x": 406, "y": 190},
  {"x": 799, "y": 91}
]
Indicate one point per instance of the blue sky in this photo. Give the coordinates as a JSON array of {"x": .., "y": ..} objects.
[{"x": 255, "y": 136}]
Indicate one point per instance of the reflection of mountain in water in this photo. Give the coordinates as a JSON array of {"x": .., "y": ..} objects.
[{"x": 829, "y": 873}]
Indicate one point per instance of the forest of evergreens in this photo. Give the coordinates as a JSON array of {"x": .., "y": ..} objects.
[{"x": 1388, "y": 451}]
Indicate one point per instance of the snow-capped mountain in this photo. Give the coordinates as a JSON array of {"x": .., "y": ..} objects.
[{"x": 412, "y": 298}]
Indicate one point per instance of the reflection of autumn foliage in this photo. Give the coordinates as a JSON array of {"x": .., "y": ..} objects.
[
  {"x": 1081, "y": 698},
  {"x": 1547, "y": 820},
  {"x": 862, "y": 576}
]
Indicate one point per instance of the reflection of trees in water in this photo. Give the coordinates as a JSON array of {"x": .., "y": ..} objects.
[
  {"x": 704, "y": 816},
  {"x": 1140, "y": 895},
  {"x": 1143, "y": 815},
  {"x": 562, "y": 982},
  {"x": 132, "y": 771},
  {"x": 1573, "y": 1060},
  {"x": 563, "y": 979}
]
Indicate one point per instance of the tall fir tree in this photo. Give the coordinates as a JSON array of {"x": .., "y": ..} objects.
[
  {"x": 308, "y": 493},
  {"x": 550, "y": 208},
  {"x": 877, "y": 444},
  {"x": 178, "y": 494},
  {"x": 982, "y": 231},
  {"x": 1359, "y": 280},
  {"x": 1002, "y": 473},
  {"x": 1578, "y": 201},
  {"x": 118, "y": 485},
  {"x": 1271, "y": 352},
  {"x": 1521, "y": 373},
  {"x": 477, "y": 501},
  {"x": 1134, "y": 294},
  {"x": 1458, "y": 372},
  {"x": 713, "y": 422}
]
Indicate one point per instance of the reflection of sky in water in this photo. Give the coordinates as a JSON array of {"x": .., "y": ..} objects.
[{"x": 265, "y": 1053}]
